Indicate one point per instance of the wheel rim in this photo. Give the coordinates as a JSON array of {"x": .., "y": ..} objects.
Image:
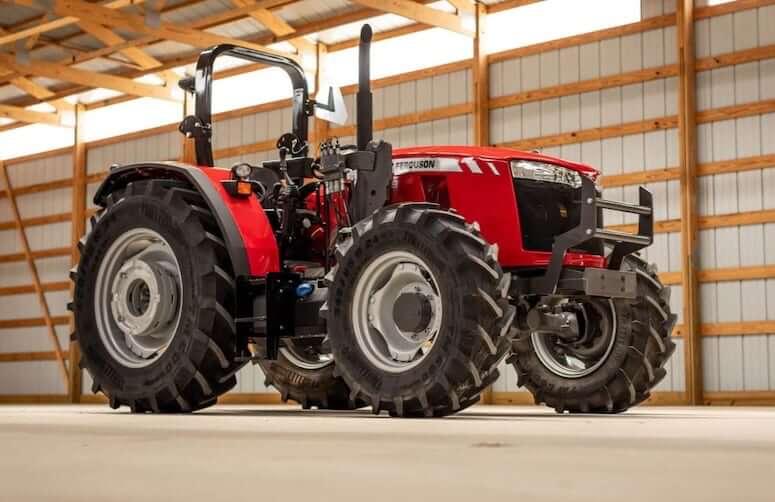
[
  {"x": 137, "y": 298},
  {"x": 583, "y": 357},
  {"x": 386, "y": 280},
  {"x": 308, "y": 358}
]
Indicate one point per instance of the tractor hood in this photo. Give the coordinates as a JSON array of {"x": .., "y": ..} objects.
[{"x": 493, "y": 153}]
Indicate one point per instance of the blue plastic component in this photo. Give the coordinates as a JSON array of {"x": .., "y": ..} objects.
[{"x": 304, "y": 289}]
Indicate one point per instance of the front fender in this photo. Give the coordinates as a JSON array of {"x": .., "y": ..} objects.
[{"x": 245, "y": 229}]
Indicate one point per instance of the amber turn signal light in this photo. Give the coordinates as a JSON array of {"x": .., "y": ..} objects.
[{"x": 244, "y": 188}]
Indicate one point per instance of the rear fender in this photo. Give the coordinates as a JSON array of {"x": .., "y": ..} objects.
[{"x": 246, "y": 231}]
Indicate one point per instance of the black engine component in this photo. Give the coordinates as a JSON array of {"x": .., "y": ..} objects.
[{"x": 372, "y": 186}]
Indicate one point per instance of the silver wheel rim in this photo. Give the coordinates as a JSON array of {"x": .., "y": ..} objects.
[
  {"x": 137, "y": 298},
  {"x": 567, "y": 365},
  {"x": 306, "y": 359},
  {"x": 380, "y": 284}
]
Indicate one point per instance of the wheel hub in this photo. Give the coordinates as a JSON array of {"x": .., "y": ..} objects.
[
  {"x": 581, "y": 354},
  {"x": 138, "y": 297},
  {"x": 397, "y": 311},
  {"x": 144, "y": 298},
  {"x": 413, "y": 312}
]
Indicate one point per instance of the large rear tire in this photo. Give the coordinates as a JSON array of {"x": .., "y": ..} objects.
[
  {"x": 633, "y": 365},
  {"x": 418, "y": 317},
  {"x": 311, "y": 384},
  {"x": 185, "y": 360}
]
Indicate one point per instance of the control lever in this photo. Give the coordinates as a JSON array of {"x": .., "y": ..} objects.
[{"x": 288, "y": 195}]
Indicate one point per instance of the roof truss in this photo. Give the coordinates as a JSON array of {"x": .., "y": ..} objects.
[
  {"x": 29, "y": 116},
  {"x": 423, "y": 14}
]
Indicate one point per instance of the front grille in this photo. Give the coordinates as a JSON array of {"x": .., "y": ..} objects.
[{"x": 547, "y": 210}]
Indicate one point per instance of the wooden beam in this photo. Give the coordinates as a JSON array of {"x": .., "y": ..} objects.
[
  {"x": 481, "y": 112},
  {"x": 66, "y": 20},
  {"x": 30, "y": 116},
  {"x": 737, "y": 328},
  {"x": 38, "y": 91},
  {"x": 30, "y": 288},
  {"x": 188, "y": 145},
  {"x": 410, "y": 118},
  {"x": 252, "y": 398},
  {"x": 33, "y": 269},
  {"x": 464, "y": 6},
  {"x": 137, "y": 24},
  {"x": 741, "y": 398},
  {"x": 690, "y": 246},
  {"x": 582, "y": 86},
  {"x": 594, "y": 133},
  {"x": 77, "y": 230},
  {"x": 57, "y": 71},
  {"x": 33, "y": 399},
  {"x": 145, "y": 61},
  {"x": 322, "y": 127},
  {"x": 279, "y": 27},
  {"x": 15, "y": 357},
  {"x": 481, "y": 80},
  {"x": 37, "y": 254},
  {"x": 37, "y": 220},
  {"x": 34, "y": 322},
  {"x": 419, "y": 13}
]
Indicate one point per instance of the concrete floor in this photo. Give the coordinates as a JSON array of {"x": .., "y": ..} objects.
[{"x": 278, "y": 453}]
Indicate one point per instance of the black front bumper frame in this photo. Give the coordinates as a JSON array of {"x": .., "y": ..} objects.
[{"x": 606, "y": 282}]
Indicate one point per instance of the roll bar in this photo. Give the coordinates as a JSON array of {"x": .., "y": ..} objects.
[{"x": 199, "y": 126}]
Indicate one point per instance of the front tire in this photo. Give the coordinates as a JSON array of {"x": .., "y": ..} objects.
[
  {"x": 633, "y": 365},
  {"x": 417, "y": 311},
  {"x": 185, "y": 360}
]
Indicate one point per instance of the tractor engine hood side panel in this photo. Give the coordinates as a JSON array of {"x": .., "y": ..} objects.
[
  {"x": 246, "y": 230},
  {"x": 481, "y": 189}
]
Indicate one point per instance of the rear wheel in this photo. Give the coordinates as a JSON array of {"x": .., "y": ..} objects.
[
  {"x": 153, "y": 301},
  {"x": 304, "y": 372},
  {"x": 617, "y": 359},
  {"x": 417, "y": 311}
]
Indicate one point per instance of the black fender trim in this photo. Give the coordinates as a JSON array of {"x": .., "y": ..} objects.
[{"x": 121, "y": 176}]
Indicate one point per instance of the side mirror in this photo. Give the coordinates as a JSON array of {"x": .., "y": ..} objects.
[{"x": 329, "y": 105}]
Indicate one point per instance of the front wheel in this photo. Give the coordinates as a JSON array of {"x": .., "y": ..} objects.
[
  {"x": 616, "y": 360},
  {"x": 417, "y": 311}
]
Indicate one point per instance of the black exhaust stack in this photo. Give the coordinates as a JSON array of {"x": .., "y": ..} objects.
[
  {"x": 364, "y": 105},
  {"x": 373, "y": 161}
]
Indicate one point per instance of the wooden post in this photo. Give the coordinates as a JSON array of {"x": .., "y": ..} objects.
[
  {"x": 322, "y": 128},
  {"x": 34, "y": 273},
  {"x": 480, "y": 72},
  {"x": 690, "y": 249},
  {"x": 188, "y": 150},
  {"x": 481, "y": 80},
  {"x": 78, "y": 229}
]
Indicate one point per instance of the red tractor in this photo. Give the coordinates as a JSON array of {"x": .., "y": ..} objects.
[{"x": 365, "y": 277}]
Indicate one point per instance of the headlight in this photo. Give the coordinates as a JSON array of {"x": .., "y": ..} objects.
[
  {"x": 241, "y": 170},
  {"x": 542, "y": 171}
]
